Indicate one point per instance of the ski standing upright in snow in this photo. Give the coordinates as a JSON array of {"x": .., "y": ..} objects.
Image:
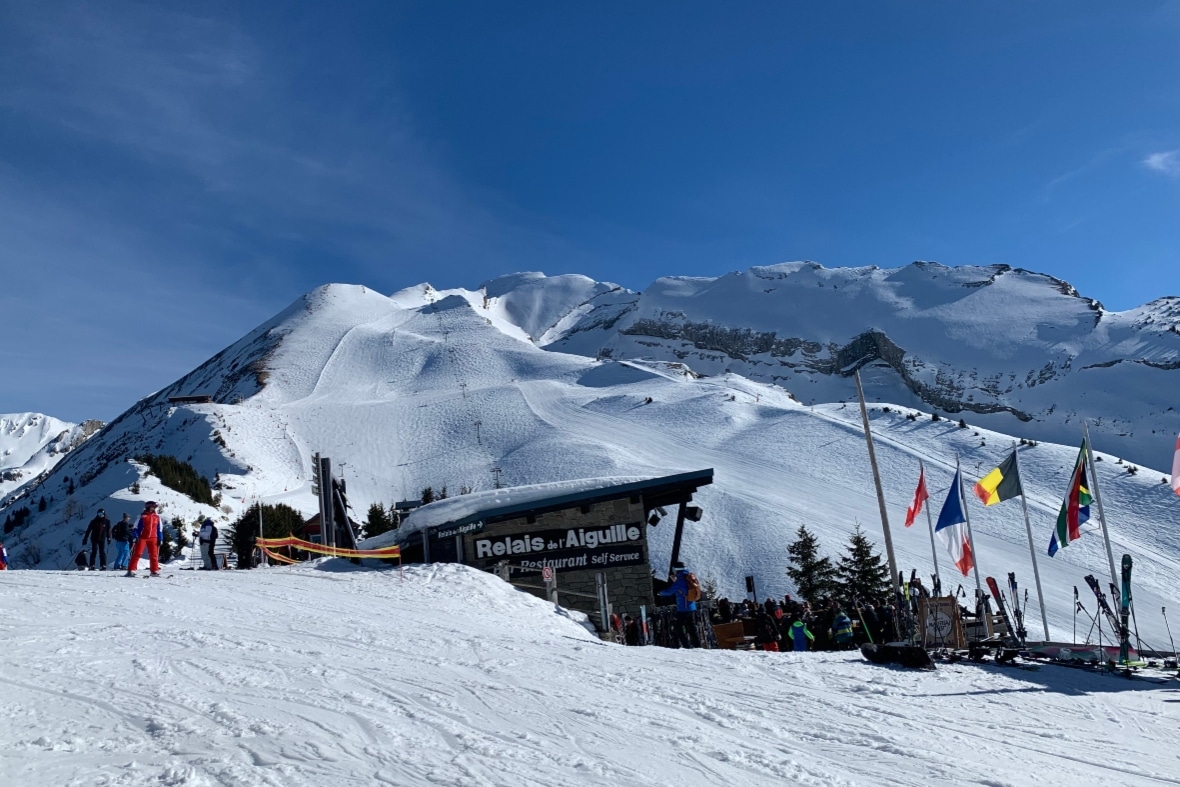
[
  {"x": 1017, "y": 611},
  {"x": 1124, "y": 613},
  {"x": 1103, "y": 606},
  {"x": 994, "y": 587}
]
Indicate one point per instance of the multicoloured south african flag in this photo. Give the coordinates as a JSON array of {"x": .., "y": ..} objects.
[{"x": 1075, "y": 509}]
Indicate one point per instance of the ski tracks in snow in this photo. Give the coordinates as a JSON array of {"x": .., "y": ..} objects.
[{"x": 310, "y": 677}]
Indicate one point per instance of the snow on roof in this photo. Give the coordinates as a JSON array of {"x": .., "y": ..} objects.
[{"x": 453, "y": 509}]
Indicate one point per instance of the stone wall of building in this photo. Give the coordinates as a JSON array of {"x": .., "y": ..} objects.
[{"x": 628, "y": 586}]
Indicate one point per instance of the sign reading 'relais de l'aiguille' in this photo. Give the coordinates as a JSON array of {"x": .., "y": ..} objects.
[{"x": 572, "y": 548}]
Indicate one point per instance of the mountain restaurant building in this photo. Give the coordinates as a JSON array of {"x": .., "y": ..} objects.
[{"x": 576, "y": 528}]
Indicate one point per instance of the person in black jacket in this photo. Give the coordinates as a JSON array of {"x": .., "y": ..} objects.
[
  {"x": 121, "y": 532},
  {"x": 99, "y": 534}
]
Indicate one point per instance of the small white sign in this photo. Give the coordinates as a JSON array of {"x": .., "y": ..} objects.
[{"x": 547, "y": 573}]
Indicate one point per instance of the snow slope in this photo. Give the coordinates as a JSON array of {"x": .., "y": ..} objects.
[
  {"x": 444, "y": 389},
  {"x": 452, "y": 677},
  {"x": 32, "y": 443},
  {"x": 1011, "y": 349}
]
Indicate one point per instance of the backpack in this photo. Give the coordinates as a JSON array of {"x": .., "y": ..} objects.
[
  {"x": 120, "y": 531},
  {"x": 693, "y": 593}
]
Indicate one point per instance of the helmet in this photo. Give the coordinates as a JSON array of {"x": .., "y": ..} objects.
[{"x": 150, "y": 504}]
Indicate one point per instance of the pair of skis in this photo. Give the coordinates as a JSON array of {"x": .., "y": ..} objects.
[{"x": 1119, "y": 623}]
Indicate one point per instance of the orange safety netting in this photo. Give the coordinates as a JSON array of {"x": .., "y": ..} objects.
[
  {"x": 298, "y": 543},
  {"x": 278, "y": 558}
]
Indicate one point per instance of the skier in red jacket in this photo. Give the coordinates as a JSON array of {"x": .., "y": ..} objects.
[{"x": 148, "y": 533}]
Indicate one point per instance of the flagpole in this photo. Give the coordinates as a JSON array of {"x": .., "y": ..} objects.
[
  {"x": 970, "y": 535},
  {"x": 864, "y": 416},
  {"x": 1114, "y": 576},
  {"x": 929, "y": 521},
  {"x": 1031, "y": 549}
]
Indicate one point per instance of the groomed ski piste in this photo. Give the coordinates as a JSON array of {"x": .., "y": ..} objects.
[{"x": 330, "y": 674}]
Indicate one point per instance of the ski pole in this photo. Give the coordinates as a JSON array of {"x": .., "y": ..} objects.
[
  {"x": 1076, "y": 604},
  {"x": 1169, "y": 627}
]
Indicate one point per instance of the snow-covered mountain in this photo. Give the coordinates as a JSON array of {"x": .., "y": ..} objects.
[
  {"x": 32, "y": 444},
  {"x": 451, "y": 389},
  {"x": 1017, "y": 351}
]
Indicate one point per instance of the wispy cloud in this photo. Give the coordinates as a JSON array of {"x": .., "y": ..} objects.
[
  {"x": 1096, "y": 162},
  {"x": 180, "y": 180},
  {"x": 1166, "y": 163}
]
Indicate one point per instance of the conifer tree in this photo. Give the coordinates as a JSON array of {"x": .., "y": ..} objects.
[
  {"x": 167, "y": 547},
  {"x": 278, "y": 521},
  {"x": 862, "y": 574},
  {"x": 378, "y": 521},
  {"x": 814, "y": 576}
]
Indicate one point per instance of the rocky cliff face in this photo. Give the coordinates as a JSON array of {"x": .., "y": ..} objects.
[
  {"x": 1004, "y": 347},
  {"x": 31, "y": 444}
]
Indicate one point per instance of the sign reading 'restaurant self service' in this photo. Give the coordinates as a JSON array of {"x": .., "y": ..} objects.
[{"x": 555, "y": 540}]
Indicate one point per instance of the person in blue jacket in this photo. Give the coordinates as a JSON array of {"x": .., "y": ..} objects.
[
  {"x": 842, "y": 630},
  {"x": 684, "y": 625},
  {"x": 800, "y": 636}
]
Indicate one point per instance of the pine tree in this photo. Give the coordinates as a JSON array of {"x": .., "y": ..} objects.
[
  {"x": 167, "y": 546},
  {"x": 41, "y": 505},
  {"x": 278, "y": 521},
  {"x": 428, "y": 495},
  {"x": 863, "y": 576},
  {"x": 378, "y": 521},
  {"x": 814, "y": 576}
]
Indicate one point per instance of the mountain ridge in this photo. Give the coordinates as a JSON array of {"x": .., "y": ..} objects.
[{"x": 430, "y": 388}]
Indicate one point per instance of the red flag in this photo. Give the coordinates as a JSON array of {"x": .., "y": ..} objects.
[
  {"x": 1176, "y": 469},
  {"x": 920, "y": 497}
]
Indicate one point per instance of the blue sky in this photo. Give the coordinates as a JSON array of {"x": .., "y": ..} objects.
[{"x": 171, "y": 174}]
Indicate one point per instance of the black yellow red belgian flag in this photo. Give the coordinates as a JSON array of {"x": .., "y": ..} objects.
[{"x": 1000, "y": 484}]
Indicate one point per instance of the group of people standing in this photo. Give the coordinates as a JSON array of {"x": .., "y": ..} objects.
[
  {"x": 132, "y": 539},
  {"x": 101, "y": 534},
  {"x": 777, "y": 625},
  {"x": 791, "y": 625}
]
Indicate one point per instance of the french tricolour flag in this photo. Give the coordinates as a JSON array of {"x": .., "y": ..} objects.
[{"x": 952, "y": 528}]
